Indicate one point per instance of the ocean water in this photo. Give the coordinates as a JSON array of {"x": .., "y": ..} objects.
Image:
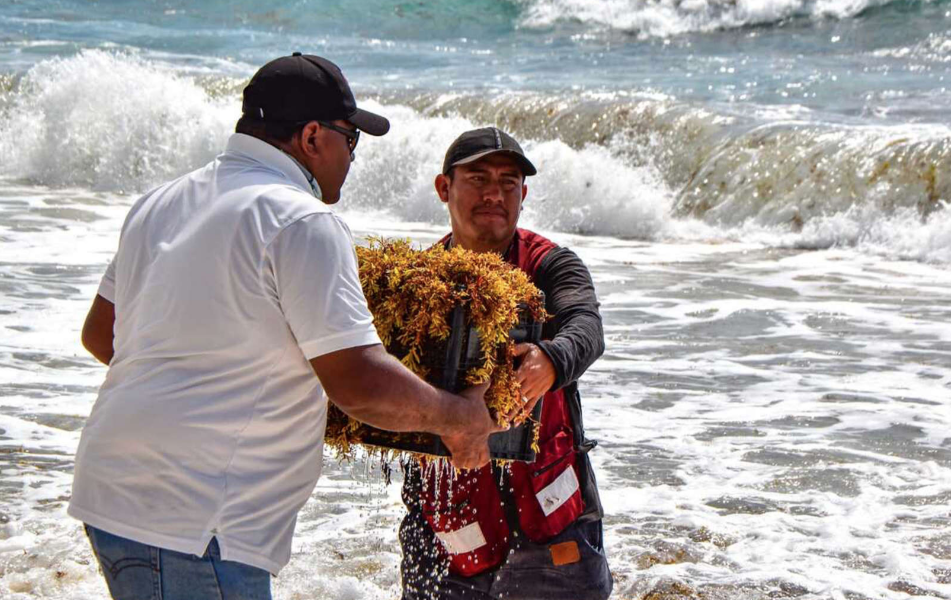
[{"x": 760, "y": 188}]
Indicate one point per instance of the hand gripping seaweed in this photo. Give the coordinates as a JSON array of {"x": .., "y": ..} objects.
[{"x": 453, "y": 317}]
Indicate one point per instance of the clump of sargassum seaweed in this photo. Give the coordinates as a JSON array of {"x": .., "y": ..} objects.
[{"x": 412, "y": 293}]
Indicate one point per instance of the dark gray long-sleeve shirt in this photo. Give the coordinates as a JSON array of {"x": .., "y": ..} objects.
[{"x": 573, "y": 338}]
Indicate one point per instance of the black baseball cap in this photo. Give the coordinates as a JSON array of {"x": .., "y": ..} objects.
[
  {"x": 473, "y": 145},
  {"x": 303, "y": 87}
]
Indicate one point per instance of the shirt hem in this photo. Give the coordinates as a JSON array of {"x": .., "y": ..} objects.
[
  {"x": 228, "y": 552},
  {"x": 137, "y": 534},
  {"x": 176, "y": 544}
]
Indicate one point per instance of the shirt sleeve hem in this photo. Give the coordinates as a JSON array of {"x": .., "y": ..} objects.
[
  {"x": 108, "y": 291},
  {"x": 340, "y": 341}
]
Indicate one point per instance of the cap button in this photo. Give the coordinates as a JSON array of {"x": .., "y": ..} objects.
[{"x": 296, "y": 54}]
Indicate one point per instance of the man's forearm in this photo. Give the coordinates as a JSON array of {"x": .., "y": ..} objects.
[
  {"x": 379, "y": 391},
  {"x": 395, "y": 399},
  {"x": 571, "y": 298},
  {"x": 575, "y": 347}
]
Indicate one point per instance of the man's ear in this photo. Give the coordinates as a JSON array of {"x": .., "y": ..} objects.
[
  {"x": 311, "y": 139},
  {"x": 442, "y": 187}
]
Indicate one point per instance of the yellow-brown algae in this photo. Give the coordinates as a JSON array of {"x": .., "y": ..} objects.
[{"x": 412, "y": 293}]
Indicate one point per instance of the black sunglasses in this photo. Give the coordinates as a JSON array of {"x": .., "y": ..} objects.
[{"x": 352, "y": 135}]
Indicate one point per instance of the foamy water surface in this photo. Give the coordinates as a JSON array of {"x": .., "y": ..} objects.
[
  {"x": 773, "y": 422},
  {"x": 632, "y": 166}
]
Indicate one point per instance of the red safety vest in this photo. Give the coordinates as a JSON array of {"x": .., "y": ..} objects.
[{"x": 466, "y": 510}]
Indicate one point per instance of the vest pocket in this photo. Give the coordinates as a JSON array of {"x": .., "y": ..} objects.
[
  {"x": 551, "y": 500},
  {"x": 466, "y": 516}
]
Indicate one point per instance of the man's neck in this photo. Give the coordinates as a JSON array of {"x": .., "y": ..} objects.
[
  {"x": 501, "y": 249},
  {"x": 290, "y": 153}
]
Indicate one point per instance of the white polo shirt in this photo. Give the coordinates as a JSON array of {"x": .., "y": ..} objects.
[{"x": 210, "y": 422}]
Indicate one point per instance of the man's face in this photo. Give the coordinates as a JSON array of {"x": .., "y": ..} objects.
[
  {"x": 484, "y": 198},
  {"x": 328, "y": 157}
]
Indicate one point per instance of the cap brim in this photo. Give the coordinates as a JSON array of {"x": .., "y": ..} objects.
[
  {"x": 524, "y": 164},
  {"x": 369, "y": 122}
]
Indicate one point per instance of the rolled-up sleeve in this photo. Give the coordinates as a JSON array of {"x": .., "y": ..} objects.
[{"x": 316, "y": 282}]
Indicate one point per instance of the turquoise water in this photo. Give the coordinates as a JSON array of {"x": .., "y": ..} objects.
[{"x": 842, "y": 59}]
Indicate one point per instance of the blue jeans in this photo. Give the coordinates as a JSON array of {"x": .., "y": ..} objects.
[{"x": 135, "y": 571}]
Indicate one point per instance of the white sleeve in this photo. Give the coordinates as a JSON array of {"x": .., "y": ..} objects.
[
  {"x": 314, "y": 269},
  {"x": 107, "y": 287}
]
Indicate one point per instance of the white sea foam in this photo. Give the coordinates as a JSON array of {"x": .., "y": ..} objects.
[
  {"x": 791, "y": 507},
  {"x": 767, "y": 417},
  {"x": 588, "y": 190},
  {"x": 672, "y": 17},
  {"x": 395, "y": 173},
  {"x": 592, "y": 191},
  {"x": 905, "y": 234},
  {"x": 619, "y": 161},
  {"x": 934, "y": 48},
  {"x": 109, "y": 121}
]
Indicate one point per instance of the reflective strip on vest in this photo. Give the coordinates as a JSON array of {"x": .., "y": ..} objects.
[
  {"x": 558, "y": 491},
  {"x": 462, "y": 540}
]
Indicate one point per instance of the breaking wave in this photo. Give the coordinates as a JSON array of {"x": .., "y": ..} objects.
[
  {"x": 109, "y": 122},
  {"x": 672, "y": 17},
  {"x": 625, "y": 165}
]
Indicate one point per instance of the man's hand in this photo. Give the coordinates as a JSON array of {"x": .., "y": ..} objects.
[
  {"x": 470, "y": 447},
  {"x": 536, "y": 375},
  {"x": 373, "y": 387}
]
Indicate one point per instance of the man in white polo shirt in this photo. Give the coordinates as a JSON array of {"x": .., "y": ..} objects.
[{"x": 231, "y": 288}]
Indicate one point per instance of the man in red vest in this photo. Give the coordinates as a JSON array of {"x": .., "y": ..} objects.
[{"x": 530, "y": 531}]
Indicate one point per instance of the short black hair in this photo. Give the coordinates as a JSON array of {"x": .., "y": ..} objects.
[{"x": 269, "y": 131}]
